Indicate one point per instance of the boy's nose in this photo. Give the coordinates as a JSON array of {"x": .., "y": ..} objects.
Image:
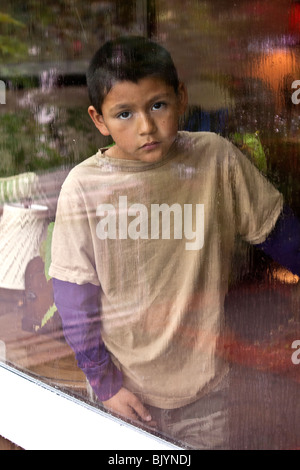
[{"x": 146, "y": 124}]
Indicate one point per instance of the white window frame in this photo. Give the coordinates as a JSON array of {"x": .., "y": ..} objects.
[{"x": 36, "y": 416}]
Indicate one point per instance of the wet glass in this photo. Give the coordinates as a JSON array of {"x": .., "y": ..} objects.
[{"x": 240, "y": 63}]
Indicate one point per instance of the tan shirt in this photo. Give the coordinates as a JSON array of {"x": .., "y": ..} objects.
[{"x": 158, "y": 239}]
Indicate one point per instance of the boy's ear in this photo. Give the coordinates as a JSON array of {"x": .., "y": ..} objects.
[
  {"x": 98, "y": 121},
  {"x": 182, "y": 98}
]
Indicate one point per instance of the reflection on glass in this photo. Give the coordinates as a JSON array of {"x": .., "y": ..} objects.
[{"x": 239, "y": 61}]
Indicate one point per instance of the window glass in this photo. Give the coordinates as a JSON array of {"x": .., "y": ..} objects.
[{"x": 197, "y": 314}]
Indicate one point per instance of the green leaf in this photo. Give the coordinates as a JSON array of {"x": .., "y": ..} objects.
[
  {"x": 48, "y": 315},
  {"x": 5, "y": 18}
]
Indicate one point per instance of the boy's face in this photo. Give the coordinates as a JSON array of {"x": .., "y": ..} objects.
[{"x": 142, "y": 118}]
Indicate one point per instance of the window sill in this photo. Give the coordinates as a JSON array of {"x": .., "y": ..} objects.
[{"x": 36, "y": 416}]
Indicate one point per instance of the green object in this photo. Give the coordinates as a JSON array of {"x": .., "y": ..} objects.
[
  {"x": 46, "y": 256},
  {"x": 18, "y": 187},
  {"x": 48, "y": 315},
  {"x": 48, "y": 250},
  {"x": 251, "y": 145}
]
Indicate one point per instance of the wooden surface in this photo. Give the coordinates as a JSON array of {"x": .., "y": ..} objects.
[
  {"x": 7, "y": 445},
  {"x": 47, "y": 356}
]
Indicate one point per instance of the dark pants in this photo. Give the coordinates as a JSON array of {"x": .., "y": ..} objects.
[{"x": 249, "y": 409}]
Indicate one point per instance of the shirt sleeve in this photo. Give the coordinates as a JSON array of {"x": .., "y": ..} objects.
[
  {"x": 257, "y": 203},
  {"x": 78, "y": 306},
  {"x": 283, "y": 243},
  {"x": 72, "y": 252}
]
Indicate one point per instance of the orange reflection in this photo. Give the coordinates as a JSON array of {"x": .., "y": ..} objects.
[{"x": 277, "y": 69}]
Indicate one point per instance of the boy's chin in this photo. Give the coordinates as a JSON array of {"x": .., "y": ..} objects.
[
  {"x": 147, "y": 157},
  {"x": 152, "y": 157},
  {"x": 156, "y": 154},
  {"x": 151, "y": 153}
]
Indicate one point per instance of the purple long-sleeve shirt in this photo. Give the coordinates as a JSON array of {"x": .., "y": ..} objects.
[{"x": 79, "y": 306}]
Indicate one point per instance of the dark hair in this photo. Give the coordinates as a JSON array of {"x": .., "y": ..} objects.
[{"x": 128, "y": 58}]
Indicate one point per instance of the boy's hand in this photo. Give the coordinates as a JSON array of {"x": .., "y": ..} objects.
[{"x": 128, "y": 405}]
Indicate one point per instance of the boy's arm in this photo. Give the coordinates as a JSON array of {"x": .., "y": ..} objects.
[
  {"x": 78, "y": 307},
  {"x": 283, "y": 243}
]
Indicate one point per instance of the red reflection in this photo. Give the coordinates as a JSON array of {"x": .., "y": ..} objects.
[
  {"x": 258, "y": 9},
  {"x": 294, "y": 18}
]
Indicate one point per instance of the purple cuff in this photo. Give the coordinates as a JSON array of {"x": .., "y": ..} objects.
[
  {"x": 78, "y": 306},
  {"x": 283, "y": 243}
]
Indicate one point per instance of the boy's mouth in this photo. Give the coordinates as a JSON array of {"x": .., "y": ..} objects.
[{"x": 150, "y": 145}]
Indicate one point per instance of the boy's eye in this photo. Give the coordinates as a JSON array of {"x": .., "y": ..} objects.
[
  {"x": 124, "y": 115},
  {"x": 158, "y": 105}
]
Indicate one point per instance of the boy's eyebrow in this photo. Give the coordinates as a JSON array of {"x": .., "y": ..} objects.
[
  {"x": 125, "y": 106},
  {"x": 159, "y": 97},
  {"x": 120, "y": 107}
]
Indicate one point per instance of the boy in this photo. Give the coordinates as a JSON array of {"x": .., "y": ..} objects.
[{"x": 142, "y": 247}]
